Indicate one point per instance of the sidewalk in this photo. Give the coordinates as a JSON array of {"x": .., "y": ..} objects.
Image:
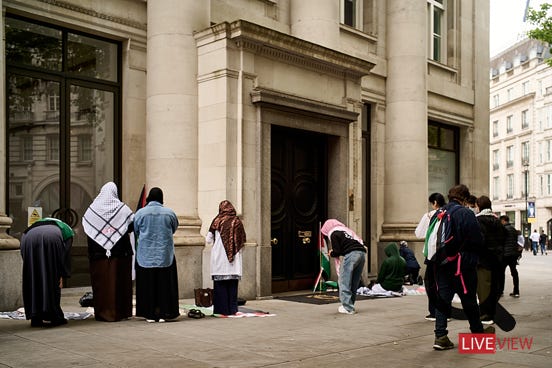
[{"x": 389, "y": 332}]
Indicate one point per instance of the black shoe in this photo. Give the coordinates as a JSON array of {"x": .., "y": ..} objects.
[
  {"x": 514, "y": 295},
  {"x": 430, "y": 317},
  {"x": 58, "y": 322},
  {"x": 442, "y": 343},
  {"x": 37, "y": 322}
]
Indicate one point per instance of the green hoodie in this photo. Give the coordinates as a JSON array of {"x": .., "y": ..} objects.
[{"x": 392, "y": 270}]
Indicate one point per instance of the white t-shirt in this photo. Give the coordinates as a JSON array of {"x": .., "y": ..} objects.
[
  {"x": 535, "y": 237},
  {"x": 421, "y": 229}
]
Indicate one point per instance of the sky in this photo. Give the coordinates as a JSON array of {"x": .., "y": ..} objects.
[{"x": 506, "y": 23}]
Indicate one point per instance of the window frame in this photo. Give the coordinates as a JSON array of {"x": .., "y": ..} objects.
[{"x": 441, "y": 37}]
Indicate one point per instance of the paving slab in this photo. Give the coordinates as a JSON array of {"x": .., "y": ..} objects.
[{"x": 388, "y": 332}]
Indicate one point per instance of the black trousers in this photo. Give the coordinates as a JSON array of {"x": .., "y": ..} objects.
[{"x": 225, "y": 297}]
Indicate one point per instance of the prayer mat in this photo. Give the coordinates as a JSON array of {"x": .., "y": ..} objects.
[
  {"x": 320, "y": 298},
  {"x": 20, "y": 314},
  {"x": 242, "y": 312}
]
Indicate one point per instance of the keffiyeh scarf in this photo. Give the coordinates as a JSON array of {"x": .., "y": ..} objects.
[{"x": 107, "y": 219}]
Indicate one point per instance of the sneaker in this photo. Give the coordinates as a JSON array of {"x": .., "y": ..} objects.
[
  {"x": 430, "y": 317},
  {"x": 442, "y": 343},
  {"x": 489, "y": 330},
  {"x": 150, "y": 320},
  {"x": 487, "y": 321},
  {"x": 342, "y": 309},
  {"x": 161, "y": 320},
  {"x": 514, "y": 295}
]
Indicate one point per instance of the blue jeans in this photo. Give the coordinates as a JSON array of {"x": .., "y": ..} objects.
[
  {"x": 543, "y": 248},
  {"x": 349, "y": 278},
  {"x": 449, "y": 285},
  {"x": 535, "y": 246}
]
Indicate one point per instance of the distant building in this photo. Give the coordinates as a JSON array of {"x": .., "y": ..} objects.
[
  {"x": 294, "y": 110},
  {"x": 521, "y": 134}
]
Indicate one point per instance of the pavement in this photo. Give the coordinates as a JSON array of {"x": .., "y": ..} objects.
[{"x": 386, "y": 332}]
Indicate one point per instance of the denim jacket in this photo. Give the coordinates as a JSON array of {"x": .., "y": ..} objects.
[{"x": 154, "y": 226}]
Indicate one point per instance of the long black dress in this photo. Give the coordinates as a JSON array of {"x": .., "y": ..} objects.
[
  {"x": 111, "y": 279},
  {"x": 46, "y": 259}
]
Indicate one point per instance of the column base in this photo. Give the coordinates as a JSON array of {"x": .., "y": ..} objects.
[{"x": 7, "y": 242}]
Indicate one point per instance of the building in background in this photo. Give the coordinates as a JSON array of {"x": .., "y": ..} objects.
[
  {"x": 294, "y": 110},
  {"x": 521, "y": 135}
]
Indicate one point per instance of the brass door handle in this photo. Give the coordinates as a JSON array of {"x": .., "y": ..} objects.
[
  {"x": 306, "y": 240},
  {"x": 274, "y": 241}
]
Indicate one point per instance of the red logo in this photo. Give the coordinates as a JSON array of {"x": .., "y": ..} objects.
[
  {"x": 476, "y": 343},
  {"x": 489, "y": 344}
]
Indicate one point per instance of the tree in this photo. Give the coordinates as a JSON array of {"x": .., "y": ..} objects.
[{"x": 542, "y": 20}]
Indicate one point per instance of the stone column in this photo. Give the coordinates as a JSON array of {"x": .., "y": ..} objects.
[
  {"x": 316, "y": 21},
  {"x": 10, "y": 258},
  {"x": 171, "y": 125},
  {"x": 406, "y": 152}
]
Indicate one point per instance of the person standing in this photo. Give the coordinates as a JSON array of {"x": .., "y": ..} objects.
[
  {"x": 535, "y": 238},
  {"x": 345, "y": 243},
  {"x": 45, "y": 249},
  {"x": 542, "y": 243},
  {"x": 156, "y": 273},
  {"x": 489, "y": 268},
  {"x": 227, "y": 235},
  {"x": 512, "y": 251},
  {"x": 436, "y": 200},
  {"x": 107, "y": 224},
  {"x": 454, "y": 265}
]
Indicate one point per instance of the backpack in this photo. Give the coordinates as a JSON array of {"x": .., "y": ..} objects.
[{"x": 440, "y": 234}]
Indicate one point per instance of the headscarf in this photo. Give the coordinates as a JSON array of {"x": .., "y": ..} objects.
[
  {"x": 332, "y": 225},
  {"x": 155, "y": 194},
  {"x": 107, "y": 219},
  {"x": 66, "y": 231},
  {"x": 230, "y": 228}
]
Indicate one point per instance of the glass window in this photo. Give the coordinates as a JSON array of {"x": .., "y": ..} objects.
[
  {"x": 442, "y": 157},
  {"x": 33, "y": 45},
  {"x": 496, "y": 160},
  {"x": 525, "y": 152},
  {"x": 84, "y": 148},
  {"x": 524, "y": 119},
  {"x": 509, "y": 156},
  {"x": 509, "y": 127},
  {"x": 27, "y": 148},
  {"x": 52, "y": 153},
  {"x": 436, "y": 23},
  {"x": 495, "y": 128},
  {"x": 496, "y": 187},
  {"x": 510, "y": 180},
  {"x": 90, "y": 57}
]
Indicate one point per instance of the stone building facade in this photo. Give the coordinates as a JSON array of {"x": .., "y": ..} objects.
[
  {"x": 295, "y": 111},
  {"x": 521, "y": 140}
]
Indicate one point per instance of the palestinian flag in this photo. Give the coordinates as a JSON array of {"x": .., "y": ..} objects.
[{"x": 325, "y": 270}]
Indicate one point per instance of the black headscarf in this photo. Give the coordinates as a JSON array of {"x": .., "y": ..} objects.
[{"x": 155, "y": 194}]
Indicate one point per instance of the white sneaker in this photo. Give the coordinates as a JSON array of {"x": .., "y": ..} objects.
[
  {"x": 487, "y": 322},
  {"x": 150, "y": 320},
  {"x": 342, "y": 309}
]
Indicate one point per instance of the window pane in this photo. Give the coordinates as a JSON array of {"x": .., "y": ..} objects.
[
  {"x": 90, "y": 57},
  {"x": 33, "y": 45},
  {"x": 349, "y": 12}
]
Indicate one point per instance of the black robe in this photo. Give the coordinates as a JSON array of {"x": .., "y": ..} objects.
[{"x": 46, "y": 259}]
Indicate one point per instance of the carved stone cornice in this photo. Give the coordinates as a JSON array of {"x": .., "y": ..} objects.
[
  {"x": 280, "y": 46},
  {"x": 93, "y": 13}
]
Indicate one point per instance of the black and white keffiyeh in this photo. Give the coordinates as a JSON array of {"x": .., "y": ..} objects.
[{"x": 107, "y": 219}]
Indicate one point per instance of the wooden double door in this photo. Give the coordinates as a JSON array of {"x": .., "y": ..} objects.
[{"x": 298, "y": 205}]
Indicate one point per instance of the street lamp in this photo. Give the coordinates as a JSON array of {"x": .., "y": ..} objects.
[{"x": 526, "y": 228}]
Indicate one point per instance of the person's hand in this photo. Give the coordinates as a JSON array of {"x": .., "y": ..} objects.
[
  {"x": 61, "y": 282},
  {"x": 330, "y": 252}
]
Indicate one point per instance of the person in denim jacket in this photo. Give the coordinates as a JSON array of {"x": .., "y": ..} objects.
[{"x": 156, "y": 273}]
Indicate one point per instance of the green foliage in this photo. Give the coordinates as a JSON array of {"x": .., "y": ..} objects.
[{"x": 542, "y": 20}]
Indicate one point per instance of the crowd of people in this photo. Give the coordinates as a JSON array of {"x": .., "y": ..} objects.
[
  {"x": 468, "y": 257},
  {"x": 119, "y": 239},
  {"x": 473, "y": 263}
]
